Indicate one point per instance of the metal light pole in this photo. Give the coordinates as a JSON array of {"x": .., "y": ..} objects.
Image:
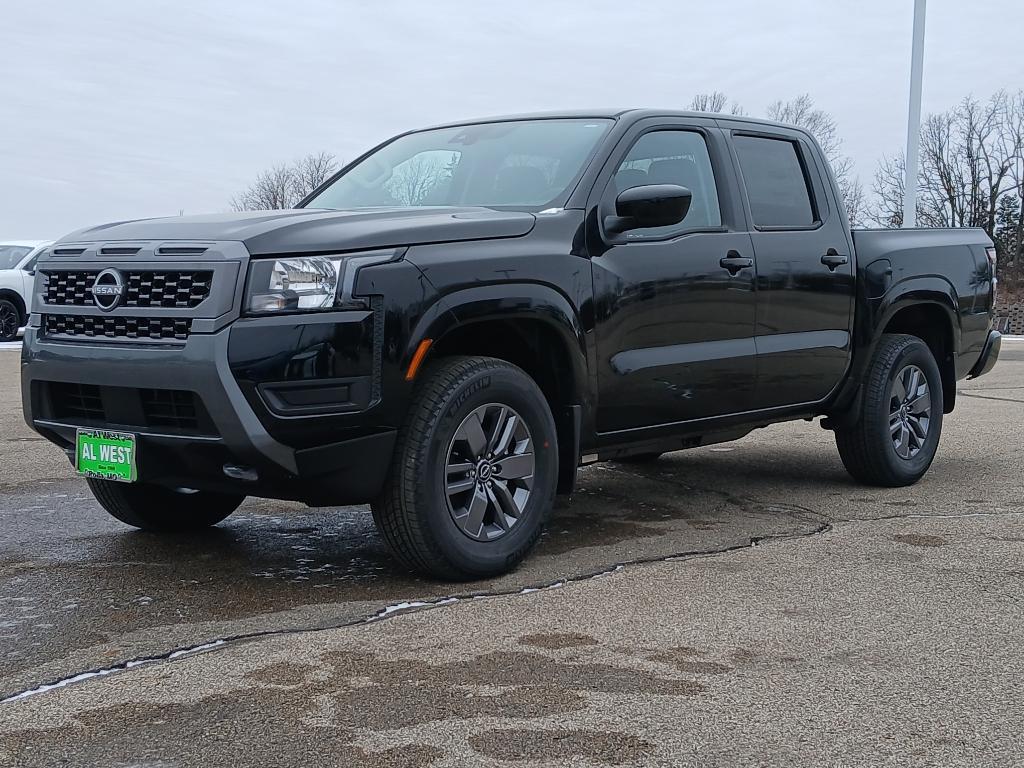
[{"x": 914, "y": 118}]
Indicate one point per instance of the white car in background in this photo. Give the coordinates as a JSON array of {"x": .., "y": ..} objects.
[{"x": 17, "y": 273}]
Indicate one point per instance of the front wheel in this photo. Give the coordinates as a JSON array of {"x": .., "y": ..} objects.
[
  {"x": 894, "y": 440},
  {"x": 10, "y": 320},
  {"x": 155, "y": 508},
  {"x": 473, "y": 478}
]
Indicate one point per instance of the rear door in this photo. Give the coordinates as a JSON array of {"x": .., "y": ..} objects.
[
  {"x": 805, "y": 276},
  {"x": 674, "y": 306}
]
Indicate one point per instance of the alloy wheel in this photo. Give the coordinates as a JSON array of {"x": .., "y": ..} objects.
[
  {"x": 489, "y": 472},
  {"x": 910, "y": 410},
  {"x": 8, "y": 322}
]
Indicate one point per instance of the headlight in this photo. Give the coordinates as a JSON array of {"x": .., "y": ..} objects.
[{"x": 309, "y": 283}]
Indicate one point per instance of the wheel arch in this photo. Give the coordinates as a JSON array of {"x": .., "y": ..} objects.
[{"x": 529, "y": 325}]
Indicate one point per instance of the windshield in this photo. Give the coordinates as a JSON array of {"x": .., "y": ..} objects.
[
  {"x": 519, "y": 164},
  {"x": 11, "y": 255}
]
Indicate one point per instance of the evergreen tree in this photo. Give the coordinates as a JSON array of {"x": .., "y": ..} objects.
[{"x": 1007, "y": 227}]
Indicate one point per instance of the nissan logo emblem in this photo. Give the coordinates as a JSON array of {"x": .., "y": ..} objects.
[{"x": 107, "y": 290}]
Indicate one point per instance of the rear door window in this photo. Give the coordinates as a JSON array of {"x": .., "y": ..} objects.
[{"x": 776, "y": 183}]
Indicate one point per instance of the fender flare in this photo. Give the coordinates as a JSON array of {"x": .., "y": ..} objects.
[
  {"x": 915, "y": 291},
  {"x": 507, "y": 301}
]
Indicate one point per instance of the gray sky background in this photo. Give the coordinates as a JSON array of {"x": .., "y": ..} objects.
[{"x": 112, "y": 110}]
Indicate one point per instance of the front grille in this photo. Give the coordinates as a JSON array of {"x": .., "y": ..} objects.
[
  {"x": 173, "y": 411},
  {"x": 181, "y": 289},
  {"x": 77, "y": 401},
  {"x": 173, "y": 408},
  {"x": 116, "y": 327}
]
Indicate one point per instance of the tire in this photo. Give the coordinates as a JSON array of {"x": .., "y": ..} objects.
[
  {"x": 10, "y": 320},
  {"x": 639, "y": 458},
  {"x": 154, "y": 508},
  {"x": 431, "y": 504},
  {"x": 873, "y": 450}
]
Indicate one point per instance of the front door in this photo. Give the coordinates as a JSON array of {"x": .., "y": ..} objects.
[{"x": 674, "y": 306}]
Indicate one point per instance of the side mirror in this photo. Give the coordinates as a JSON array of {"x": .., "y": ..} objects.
[{"x": 649, "y": 205}]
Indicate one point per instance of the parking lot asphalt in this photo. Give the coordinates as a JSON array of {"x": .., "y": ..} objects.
[{"x": 744, "y": 604}]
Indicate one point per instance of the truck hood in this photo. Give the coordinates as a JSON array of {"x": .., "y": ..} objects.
[{"x": 307, "y": 230}]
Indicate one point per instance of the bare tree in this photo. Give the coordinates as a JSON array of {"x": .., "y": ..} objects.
[
  {"x": 312, "y": 171},
  {"x": 272, "y": 190},
  {"x": 714, "y": 102},
  {"x": 802, "y": 112},
  {"x": 886, "y": 209},
  {"x": 971, "y": 157},
  {"x": 283, "y": 186},
  {"x": 852, "y": 192}
]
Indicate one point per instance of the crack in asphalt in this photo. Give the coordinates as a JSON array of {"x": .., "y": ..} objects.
[
  {"x": 822, "y": 524},
  {"x": 929, "y": 516},
  {"x": 988, "y": 389},
  {"x": 989, "y": 397}
]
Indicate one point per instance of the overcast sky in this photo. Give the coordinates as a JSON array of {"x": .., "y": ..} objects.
[{"x": 112, "y": 110}]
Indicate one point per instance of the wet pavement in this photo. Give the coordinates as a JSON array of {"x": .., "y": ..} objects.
[
  {"x": 79, "y": 590},
  {"x": 639, "y": 563}
]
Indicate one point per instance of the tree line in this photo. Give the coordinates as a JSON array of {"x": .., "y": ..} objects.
[
  {"x": 971, "y": 170},
  {"x": 971, "y": 174}
]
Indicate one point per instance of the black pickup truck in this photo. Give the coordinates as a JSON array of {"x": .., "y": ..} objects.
[{"x": 460, "y": 318}]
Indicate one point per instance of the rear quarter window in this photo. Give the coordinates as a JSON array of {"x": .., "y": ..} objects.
[{"x": 776, "y": 183}]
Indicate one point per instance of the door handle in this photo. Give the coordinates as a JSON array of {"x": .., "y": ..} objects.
[
  {"x": 833, "y": 259},
  {"x": 734, "y": 262}
]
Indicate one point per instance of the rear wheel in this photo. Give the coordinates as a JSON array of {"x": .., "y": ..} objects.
[
  {"x": 473, "y": 479},
  {"x": 154, "y": 508},
  {"x": 10, "y": 320},
  {"x": 894, "y": 440}
]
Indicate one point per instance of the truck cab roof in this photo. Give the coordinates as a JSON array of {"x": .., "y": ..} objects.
[{"x": 632, "y": 114}]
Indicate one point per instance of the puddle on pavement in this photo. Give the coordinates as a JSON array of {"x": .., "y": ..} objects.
[{"x": 87, "y": 580}]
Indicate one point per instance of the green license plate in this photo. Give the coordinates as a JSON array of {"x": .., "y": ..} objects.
[{"x": 106, "y": 455}]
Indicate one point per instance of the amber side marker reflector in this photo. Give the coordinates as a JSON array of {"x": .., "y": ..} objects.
[{"x": 417, "y": 359}]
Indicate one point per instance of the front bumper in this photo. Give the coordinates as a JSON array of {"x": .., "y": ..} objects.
[
  {"x": 989, "y": 355},
  {"x": 233, "y": 451}
]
